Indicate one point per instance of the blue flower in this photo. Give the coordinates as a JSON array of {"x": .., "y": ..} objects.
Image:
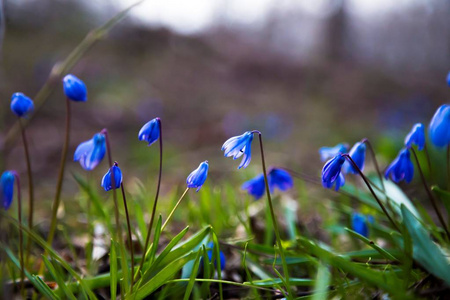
[
  {"x": 401, "y": 168},
  {"x": 74, "y": 88},
  {"x": 106, "y": 181},
  {"x": 7, "y": 188},
  {"x": 329, "y": 152},
  {"x": 238, "y": 146},
  {"x": 90, "y": 153},
  {"x": 150, "y": 131},
  {"x": 416, "y": 136},
  {"x": 255, "y": 187},
  {"x": 331, "y": 172},
  {"x": 358, "y": 154},
  {"x": 359, "y": 224},
  {"x": 281, "y": 179},
  {"x": 448, "y": 79},
  {"x": 210, "y": 255},
  {"x": 439, "y": 129},
  {"x": 197, "y": 177},
  {"x": 21, "y": 105}
]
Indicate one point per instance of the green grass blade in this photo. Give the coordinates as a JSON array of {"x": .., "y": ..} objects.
[
  {"x": 194, "y": 273},
  {"x": 425, "y": 251},
  {"x": 58, "y": 277},
  {"x": 113, "y": 269},
  {"x": 323, "y": 279},
  {"x": 370, "y": 243},
  {"x": 44, "y": 288},
  {"x": 152, "y": 254}
]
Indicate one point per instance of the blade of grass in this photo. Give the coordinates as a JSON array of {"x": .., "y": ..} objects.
[
  {"x": 194, "y": 273},
  {"x": 113, "y": 269},
  {"x": 58, "y": 277}
]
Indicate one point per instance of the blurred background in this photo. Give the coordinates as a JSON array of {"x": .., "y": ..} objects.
[{"x": 305, "y": 73}]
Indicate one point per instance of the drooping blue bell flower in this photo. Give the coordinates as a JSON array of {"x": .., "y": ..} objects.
[
  {"x": 358, "y": 154},
  {"x": 74, "y": 88},
  {"x": 106, "y": 181},
  {"x": 7, "y": 188},
  {"x": 150, "y": 131},
  {"x": 90, "y": 153},
  {"x": 210, "y": 255},
  {"x": 21, "y": 105},
  {"x": 281, "y": 179},
  {"x": 401, "y": 168},
  {"x": 359, "y": 224},
  {"x": 331, "y": 172},
  {"x": 329, "y": 152},
  {"x": 416, "y": 136},
  {"x": 197, "y": 177},
  {"x": 439, "y": 129},
  {"x": 255, "y": 187},
  {"x": 238, "y": 146}
]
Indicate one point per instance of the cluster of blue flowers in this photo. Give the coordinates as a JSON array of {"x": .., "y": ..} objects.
[{"x": 401, "y": 167}]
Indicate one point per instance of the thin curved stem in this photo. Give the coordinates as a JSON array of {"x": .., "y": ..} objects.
[
  {"x": 430, "y": 195},
  {"x": 116, "y": 208},
  {"x": 22, "y": 266},
  {"x": 150, "y": 225},
  {"x": 348, "y": 157},
  {"x": 173, "y": 210},
  {"x": 57, "y": 200},
  {"x": 130, "y": 236},
  {"x": 375, "y": 162},
  {"x": 30, "y": 188},
  {"x": 272, "y": 213}
]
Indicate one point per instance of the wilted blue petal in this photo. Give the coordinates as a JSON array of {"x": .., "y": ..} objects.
[
  {"x": 329, "y": 152},
  {"x": 439, "y": 129},
  {"x": 255, "y": 186},
  {"x": 90, "y": 153},
  {"x": 401, "y": 168},
  {"x": 21, "y": 105},
  {"x": 7, "y": 188},
  {"x": 106, "y": 181},
  {"x": 197, "y": 177},
  {"x": 416, "y": 136},
  {"x": 74, "y": 88},
  {"x": 150, "y": 131}
]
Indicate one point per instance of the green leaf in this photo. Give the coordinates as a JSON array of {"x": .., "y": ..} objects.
[
  {"x": 113, "y": 269},
  {"x": 44, "y": 288},
  {"x": 425, "y": 251},
  {"x": 277, "y": 281},
  {"x": 151, "y": 256},
  {"x": 370, "y": 243},
  {"x": 194, "y": 273},
  {"x": 58, "y": 277},
  {"x": 164, "y": 275},
  {"x": 445, "y": 197},
  {"x": 322, "y": 283}
]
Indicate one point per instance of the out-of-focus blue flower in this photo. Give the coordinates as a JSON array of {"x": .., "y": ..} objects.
[
  {"x": 416, "y": 136},
  {"x": 331, "y": 172},
  {"x": 21, "y": 105},
  {"x": 106, "y": 181},
  {"x": 359, "y": 224},
  {"x": 439, "y": 129},
  {"x": 7, "y": 188},
  {"x": 358, "y": 154},
  {"x": 448, "y": 79},
  {"x": 255, "y": 186},
  {"x": 238, "y": 146},
  {"x": 401, "y": 168},
  {"x": 329, "y": 152},
  {"x": 74, "y": 88},
  {"x": 150, "y": 131},
  {"x": 281, "y": 179},
  {"x": 197, "y": 177},
  {"x": 90, "y": 153},
  {"x": 222, "y": 256}
]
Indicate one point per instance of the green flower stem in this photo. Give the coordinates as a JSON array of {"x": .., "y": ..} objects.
[
  {"x": 130, "y": 236},
  {"x": 30, "y": 188},
  {"x": 371, "y": 190},
  {"x": 150, "y": 225},
  {"x": 22, "y": 266},
  {"x": 119, "y": 236},
  {"x": 430, "y": 195},
  {"x": 57, "y": 199},
  {"x": 173, "y": 210},
  {"x": 272, "y": 213}
]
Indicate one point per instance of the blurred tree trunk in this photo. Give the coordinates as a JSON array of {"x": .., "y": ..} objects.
[{"x": 335, "y": 33}]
